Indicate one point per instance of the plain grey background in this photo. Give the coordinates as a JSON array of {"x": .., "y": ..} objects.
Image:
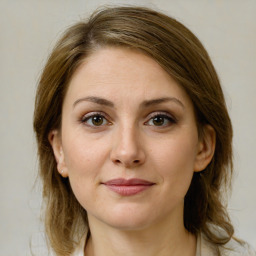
[{"x": 29, "y": 29}]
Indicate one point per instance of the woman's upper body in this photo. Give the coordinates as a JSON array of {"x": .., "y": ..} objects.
[{"x": 134, "y": 138}]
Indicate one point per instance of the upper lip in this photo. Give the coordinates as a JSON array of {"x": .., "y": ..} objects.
[{"x": 128, "y": 182}]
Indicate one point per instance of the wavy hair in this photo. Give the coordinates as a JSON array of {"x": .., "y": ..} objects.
[{"x": 184, "y": 58}]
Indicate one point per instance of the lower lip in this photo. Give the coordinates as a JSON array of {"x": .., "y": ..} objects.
[{"x": 128, "y": 190}]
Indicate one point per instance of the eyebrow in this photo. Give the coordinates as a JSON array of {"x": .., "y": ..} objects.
[
  {"x": 97, "y": 100},
  {"x": 146, "y": 103}
]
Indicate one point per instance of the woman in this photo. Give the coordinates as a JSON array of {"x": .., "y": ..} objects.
[{"x": 134, "y": 140}]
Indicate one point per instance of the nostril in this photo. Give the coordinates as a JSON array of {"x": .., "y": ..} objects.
[{"x": 117, "y": 161}]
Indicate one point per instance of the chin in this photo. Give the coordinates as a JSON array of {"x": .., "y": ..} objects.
[
  {"x": 128, "y": 219},
  {"x": 129, "y": 224}
]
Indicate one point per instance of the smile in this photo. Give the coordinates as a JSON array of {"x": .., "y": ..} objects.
[{"x": 129, "y": 187}]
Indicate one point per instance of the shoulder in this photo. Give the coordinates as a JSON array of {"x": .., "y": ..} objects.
[
  {"x": 79, "y": 250},
  {"x": 237, "y": 248},
  {"x": 233, "y": 248}
]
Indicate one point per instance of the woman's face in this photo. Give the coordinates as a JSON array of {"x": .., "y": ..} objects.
[{"x": 129, "y": 142}]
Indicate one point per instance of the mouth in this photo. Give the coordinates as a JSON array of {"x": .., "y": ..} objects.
[{"x": 128, "y": 187}]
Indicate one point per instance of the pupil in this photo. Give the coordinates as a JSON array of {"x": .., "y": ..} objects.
[
  {"x": 97, "y": 120},
  {"x": 158, "y": 121}
]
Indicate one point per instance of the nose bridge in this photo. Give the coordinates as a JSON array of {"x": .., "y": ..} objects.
[{"x": 127, "y": 148}]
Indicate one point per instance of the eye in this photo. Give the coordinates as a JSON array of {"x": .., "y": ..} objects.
[
  {"x": 161, "y": 120},
  {"x": 95, "y": 120}
]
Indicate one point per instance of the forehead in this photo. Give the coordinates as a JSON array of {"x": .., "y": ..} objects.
[{"x": 117, "y": 73}]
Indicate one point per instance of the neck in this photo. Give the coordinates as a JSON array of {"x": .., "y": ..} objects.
[{"x": 161, "y": 239}]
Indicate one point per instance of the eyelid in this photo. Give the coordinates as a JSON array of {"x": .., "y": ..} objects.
[
  {"x": 162, "y": 113},
  {"x": 170, "y": 120},
  {"x": 87, "y": 116}
]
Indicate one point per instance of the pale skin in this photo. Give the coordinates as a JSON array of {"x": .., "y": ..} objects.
[{"x": 125, "y": 117}]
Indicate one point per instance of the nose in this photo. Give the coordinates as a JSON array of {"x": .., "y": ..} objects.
[{"x": 127, "y": 149}]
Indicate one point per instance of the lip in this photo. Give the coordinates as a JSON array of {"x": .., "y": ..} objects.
[{"x": 128, "y": 187}]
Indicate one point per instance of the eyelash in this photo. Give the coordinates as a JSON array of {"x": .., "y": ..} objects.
[
  {"x": 164, "y": 115},
  {"x": 91, "y": 115}
]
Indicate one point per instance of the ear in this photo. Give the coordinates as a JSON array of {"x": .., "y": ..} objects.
[
  {"x": 55, "y": 141},
  {"x": 206, "y": 148}
]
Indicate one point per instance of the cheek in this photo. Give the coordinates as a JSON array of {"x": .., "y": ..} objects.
[
  {"x": 82, "y": 152},
  {"x": 83, "y": 161},
  {"x": 175, "y": 163},
  {"x": 84, "y": 158}
]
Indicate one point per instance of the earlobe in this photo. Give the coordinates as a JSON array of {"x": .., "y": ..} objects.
[
  {"x": 55, "y": 141},
  {"x": 206, "y": 148}
]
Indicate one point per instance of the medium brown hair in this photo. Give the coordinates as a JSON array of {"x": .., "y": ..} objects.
[{"x": 184, "y": 58}]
